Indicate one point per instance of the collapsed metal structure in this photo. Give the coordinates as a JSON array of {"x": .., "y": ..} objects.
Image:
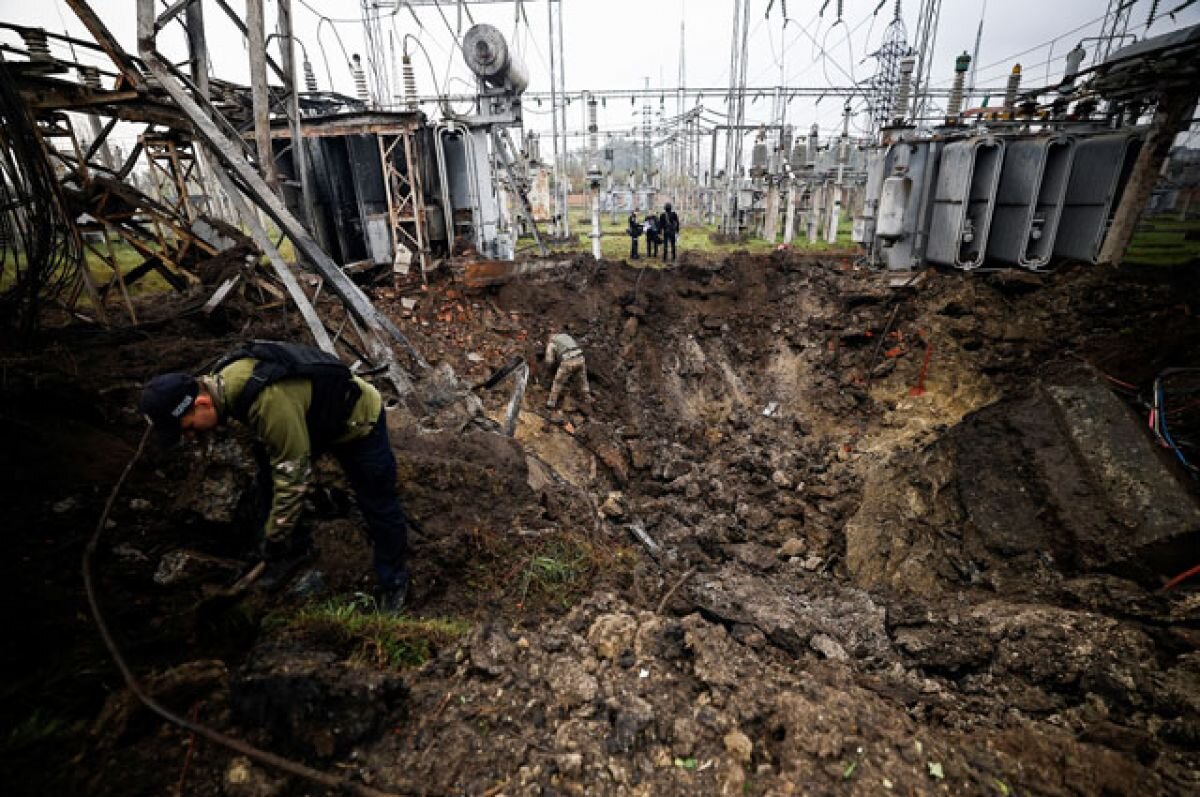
[{"x": 352, "y": 187}]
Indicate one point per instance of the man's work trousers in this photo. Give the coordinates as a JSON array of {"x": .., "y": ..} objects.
[
  {"x": 668, "y": 243},
  {"x": 570, "y": 369},
  {"x": 370, "y": 467},
  {"x": 633, "y": 255}
]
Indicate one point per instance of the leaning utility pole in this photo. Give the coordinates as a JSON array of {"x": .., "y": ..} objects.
[
  {"x": 287, "y": 44},
  {"x": 260, "y": 93},
  {"x": 1171, "y": 118},
  {"x": 198, "y": 55}
]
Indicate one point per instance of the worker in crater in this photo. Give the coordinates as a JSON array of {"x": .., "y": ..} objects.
[
  {"x": 299, "y": 402},
  {"x": 562, "y": 350}
]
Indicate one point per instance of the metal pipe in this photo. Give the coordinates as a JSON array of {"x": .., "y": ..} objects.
[
  {"x": 440, "y": 130},
  {"x": 562, "y": 83}
]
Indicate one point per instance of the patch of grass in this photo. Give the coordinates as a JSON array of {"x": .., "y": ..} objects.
[
  {"x": 38, "y": 727},
  {"x": 127, "y": 259},
  {"x": 556, "y": 572},
  {"x": 384, "y": 640},
  {"x": 614, "y": 241},
  {"x": 1162, "y": 242}
]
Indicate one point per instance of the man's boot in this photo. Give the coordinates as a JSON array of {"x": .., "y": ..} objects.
[
  {"x": 392, "y": 599},
  {"x": 284, "y": 558}
]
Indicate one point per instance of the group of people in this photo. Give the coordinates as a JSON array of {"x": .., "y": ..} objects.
[{"x": 661, "y": 229}]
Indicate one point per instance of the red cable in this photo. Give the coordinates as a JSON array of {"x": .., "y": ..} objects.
[
  {"x": 919, "y": 390},
  {"x": 1179, "y": 579}
]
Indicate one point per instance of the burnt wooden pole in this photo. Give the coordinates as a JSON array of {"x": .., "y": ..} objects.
[
  {"x": 1172, "y": 116},
  {"x": 198, "y": 57},
  {"x": 259, "y": 91},
  {"x": 287, "y": 44}
]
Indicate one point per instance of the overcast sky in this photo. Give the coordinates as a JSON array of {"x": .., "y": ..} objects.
[{"x": 614, "y": 44}]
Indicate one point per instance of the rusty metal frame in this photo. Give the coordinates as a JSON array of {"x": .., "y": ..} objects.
[
  {"x": 405, "y": 200},
  {"x": 172, "y": 160}
]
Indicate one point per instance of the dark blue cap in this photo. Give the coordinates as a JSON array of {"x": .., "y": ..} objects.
[{"x": 165, "y": 399}]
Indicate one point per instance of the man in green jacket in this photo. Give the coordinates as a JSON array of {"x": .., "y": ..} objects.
[
  {"x": 299, "y": 402},
  {"x": 564, "y": 352}
]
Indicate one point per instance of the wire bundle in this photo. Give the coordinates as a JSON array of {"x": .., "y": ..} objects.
[
  {"x": 1175, "y": 414},
  {"x": 41, "y": 257}
]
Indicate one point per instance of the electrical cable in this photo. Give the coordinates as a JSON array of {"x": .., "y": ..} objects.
[
  {"x": 40, "y": 242},
  {"x": 1179, "y": 579},
  {"x": 1008, "y": 59}
]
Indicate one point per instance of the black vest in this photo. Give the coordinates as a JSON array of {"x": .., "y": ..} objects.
[{"x": 334, "y": 391}]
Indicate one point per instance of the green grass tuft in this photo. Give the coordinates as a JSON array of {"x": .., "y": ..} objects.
[
  {"x": 381, "y": 639},
  {"x": 555, "y": 572}
]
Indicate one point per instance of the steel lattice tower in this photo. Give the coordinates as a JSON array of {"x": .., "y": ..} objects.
[{"x": 882, "y": 86}]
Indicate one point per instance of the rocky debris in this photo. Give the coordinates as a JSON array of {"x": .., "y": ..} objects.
[
  {"x": 613, "y": 701},
  {"x": 791, "y": 612},
  {"x": 244, "y": 779}
]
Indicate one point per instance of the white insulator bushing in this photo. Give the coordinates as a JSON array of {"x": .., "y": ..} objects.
[{"x": 410, "y": 82}]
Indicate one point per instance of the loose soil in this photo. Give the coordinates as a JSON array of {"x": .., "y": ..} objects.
[{"x": 818, "y": 534}]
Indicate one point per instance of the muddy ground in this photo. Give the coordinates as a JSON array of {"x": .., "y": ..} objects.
[{"x": 819, "y": 534}]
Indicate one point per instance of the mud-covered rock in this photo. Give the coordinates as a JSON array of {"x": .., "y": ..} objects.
[{"x": 790, "y": 617}]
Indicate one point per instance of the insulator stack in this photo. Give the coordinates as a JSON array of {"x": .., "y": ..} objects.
[
  {"x": 593, "y": 128},
  {"x": 903, "y": 87},
  {"x": 90, "y": 76},
  {"x": 1010, "y": 90},
  {"x": 37, "y": 45},
  {"x": 961, "y": 65},
  {"x": 310, "y": 77},
  {"x": 360, "y": 78},
  {"x": 410, "y": 82}
]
